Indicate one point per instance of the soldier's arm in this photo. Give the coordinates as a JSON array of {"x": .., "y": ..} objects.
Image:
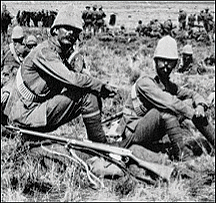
[
  {"x": 163, "y": 100},
  {"x": 51, "y": 63}
]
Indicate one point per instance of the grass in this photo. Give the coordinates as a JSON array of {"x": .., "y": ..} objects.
[{"x": 31, "y": 177}]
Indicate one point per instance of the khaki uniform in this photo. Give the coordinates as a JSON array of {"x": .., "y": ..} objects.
[
  {"x": 48, "y": 93},
  {"x": 153, "y": 109}
]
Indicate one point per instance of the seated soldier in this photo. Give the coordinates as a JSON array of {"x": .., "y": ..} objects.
[
  {"x": 187, "y": 59},
  {"x": 48, "y": 93},
  {"x": 156, "y": 107}
]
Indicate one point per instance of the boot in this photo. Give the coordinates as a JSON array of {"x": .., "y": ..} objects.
[
  {"x": 179, "y": 150},
  {"x": 94, "y": 129},
  {"x": 206, "y": 128},
  {"x": 176, "y": 135}
]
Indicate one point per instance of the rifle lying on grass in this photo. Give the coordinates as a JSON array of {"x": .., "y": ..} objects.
[{"x": 158, "y": 169}]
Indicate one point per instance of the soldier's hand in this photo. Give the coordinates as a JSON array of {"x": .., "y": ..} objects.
[
  {"x": 107, "y": 91},
  {"x": 199, "y": 111}
]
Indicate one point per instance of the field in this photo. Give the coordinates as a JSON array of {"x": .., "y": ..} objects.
[{"x": 113, "y": 62}]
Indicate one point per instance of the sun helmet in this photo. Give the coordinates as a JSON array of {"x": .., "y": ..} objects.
[
  {"x": 187, "y": 49},
  {"x": 68, "y": 15},
  {"x": 31, "y": 39},
  {"x": 166, "y": 48},
  {"x": 17, "y": 32}
]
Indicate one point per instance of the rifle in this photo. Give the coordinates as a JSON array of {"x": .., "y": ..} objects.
[
  {"x": 161, "y": 170},
  {"x": 110, "y": 118}
]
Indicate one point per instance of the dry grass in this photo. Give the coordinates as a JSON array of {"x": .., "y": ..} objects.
[{"x": 24, "y": 179}]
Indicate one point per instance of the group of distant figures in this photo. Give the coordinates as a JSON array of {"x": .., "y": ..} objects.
[
  {"x": 93, "y": 20},
  {"x": 26, "y": 18},
  {"x": 198, "y": 27},
  {"x": 46, "y": 17}
]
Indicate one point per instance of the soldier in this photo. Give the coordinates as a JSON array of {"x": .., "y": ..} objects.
[
  {"x": 100, "y": 20},
  {"x": 207, "y": 20},
  {"x": 13, "y": 54},
  {"x": 156, "y": 107},
  {"x": 31, "y": 43},
  {"x": 168, "y": 27},
  {"x": 140, "y": 28},
  {"x": 48, "y": 92},
  {"x": 182, "y": 19},
  {"x": 156, "y": 29},
  {"x": 12, "y": 58},
  {"x": 191, "y": 20},
  {"x": 200, "y": 17},
  {"x": 87, "y": 18},
  {"x": 187, "y": 59},
  {"x": 94, "y": 18},
  {"x": 6, "y": 18}
]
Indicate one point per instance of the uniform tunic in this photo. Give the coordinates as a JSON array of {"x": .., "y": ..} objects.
[
  {"x": 39, "y": 99},
  {"x": 155, "y": 97}
]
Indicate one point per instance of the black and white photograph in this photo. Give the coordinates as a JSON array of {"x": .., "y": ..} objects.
[{"x": 107, "y": 101}]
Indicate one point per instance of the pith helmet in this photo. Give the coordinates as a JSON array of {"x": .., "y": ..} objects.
[
  {"x": 31, "y": 40},
  {"x": 187, "y": 49},
  {"x": 166, "y": 48},
  {"x": 68, "y": 15},
  {"x": 17, "y": 32}
]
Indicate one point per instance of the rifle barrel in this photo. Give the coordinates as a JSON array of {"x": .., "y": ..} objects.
[{"x": 161, "y": 170}]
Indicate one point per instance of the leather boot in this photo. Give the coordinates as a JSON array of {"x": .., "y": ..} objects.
[
  {"x": 94, "y": 129},
  {"x": 177, "y": 135},
  {"x": 179, "y": 150},
  {"x": 206, "y": 128}
]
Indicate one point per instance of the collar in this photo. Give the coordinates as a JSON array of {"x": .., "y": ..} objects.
[
  {"x": 159, "y": 83},
  {"x": 55, "y": 46}
]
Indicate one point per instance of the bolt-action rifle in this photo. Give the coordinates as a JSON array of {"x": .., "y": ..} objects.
[{"x": 161, "y": 170}]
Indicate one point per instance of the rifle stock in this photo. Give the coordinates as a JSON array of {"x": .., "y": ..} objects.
[{"x": 160, "y": 170}]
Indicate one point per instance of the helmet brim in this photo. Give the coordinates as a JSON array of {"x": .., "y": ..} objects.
[{"x": 76, "y": 29}]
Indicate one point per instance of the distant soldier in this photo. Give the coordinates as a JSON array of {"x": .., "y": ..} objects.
[
  {"x": 122, "y": 30},
  {"x": 191, "y": 20},
  {"x": 208, "y": 20},
  {"x": 18, "y": 17},
  {"x": 87, "y": 19},
  {"x": 6, "y": 18},
  {"x": 168, "y": 27},
  {"x": 140, "y": 29},
  {"x": 182, "y": 19},
  {"x": 187, "y": 59},
  {"x": 100, "y": 19},
  {"x": 156, "y": 29},
  {"x": 200, "y": 16},
  {"x": 94, "y": 18}
]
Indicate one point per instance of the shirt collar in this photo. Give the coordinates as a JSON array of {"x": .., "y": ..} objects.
[
  {"x": 159, "y": 83},
  {"x": 55, "y": 45}
]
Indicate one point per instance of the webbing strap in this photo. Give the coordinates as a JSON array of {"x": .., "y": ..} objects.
[
  {"x": 137, "y": 104},
  {"x": 12, "y": 49}
]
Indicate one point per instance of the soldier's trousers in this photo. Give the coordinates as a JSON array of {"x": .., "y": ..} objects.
[{"x": 63, "y": 108}]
